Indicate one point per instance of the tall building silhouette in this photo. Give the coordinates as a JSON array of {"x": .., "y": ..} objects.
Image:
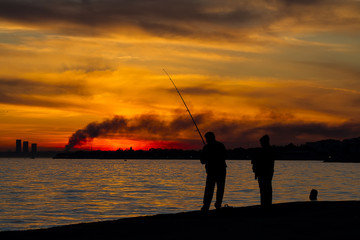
[
  {"x": 34, "y": 148},
  {"x": 25, "y": 147},
  {"x": 18, "y": 145}
]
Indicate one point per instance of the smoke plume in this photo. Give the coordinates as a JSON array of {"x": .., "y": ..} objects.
[
  {"x": 141, "y": 127},
  {"x": 233, "y": 133}
]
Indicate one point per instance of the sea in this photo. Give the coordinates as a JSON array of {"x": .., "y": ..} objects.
[{"x": 45, "y": 192}]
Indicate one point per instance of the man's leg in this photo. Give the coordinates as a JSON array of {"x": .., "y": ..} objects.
[
  {"x": 268, "y": 191},
  {"x": 220, "y": 188},
  {"x": 265, "y": 190},
  {"x": 209, "y": 191}
]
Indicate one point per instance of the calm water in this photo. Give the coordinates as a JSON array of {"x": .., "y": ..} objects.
[{"x": 39, "y": 193}]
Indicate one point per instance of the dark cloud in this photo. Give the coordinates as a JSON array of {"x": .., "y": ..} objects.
[
  {"x": 38, "y": 101},
  {"x": 23, "y": 86},
  {"x": 334, "y": 68},
  {"x": 201, "y": 90},
  {"x": 301, "y": 2},
  {"x": 102, "y": 12},
  {"x": 36, "y": 93},
  {"x": 169, "y": 18},
  {"x": 322, "y": 14},
  {"x": 234, "y": 133}
]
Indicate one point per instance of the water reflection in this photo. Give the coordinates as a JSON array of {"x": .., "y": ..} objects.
[{"x": 45, "y": 192}]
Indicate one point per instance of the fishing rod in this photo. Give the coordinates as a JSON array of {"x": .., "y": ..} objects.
[{"x": 198, "y": 130}]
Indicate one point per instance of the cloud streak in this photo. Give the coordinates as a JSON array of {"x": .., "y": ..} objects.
[
  {"x": 24, "y": 86},
  {"x": 18, "y": 91}
]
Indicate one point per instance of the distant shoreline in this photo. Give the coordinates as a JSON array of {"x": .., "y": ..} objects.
[
  {"x": 347, "y": 150},
  {"x": 295, "y": 220}
]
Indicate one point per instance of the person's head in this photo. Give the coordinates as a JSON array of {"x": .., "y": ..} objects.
[
  {"x": 210, "y": 137},
  {"x": 265, "y": 141},
  {"x": 313, "y": 195}
]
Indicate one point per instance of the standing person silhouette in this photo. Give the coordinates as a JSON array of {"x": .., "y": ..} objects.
[
  {"x": 263, "y": 167},
  {"x": 213, "y": 156}
]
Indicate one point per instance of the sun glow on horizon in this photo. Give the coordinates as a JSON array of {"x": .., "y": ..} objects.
[{"x": 125, "y": 144}]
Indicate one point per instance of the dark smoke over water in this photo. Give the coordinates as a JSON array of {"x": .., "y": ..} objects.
[
  {"x": 144, "y": 126},
  {"x": 233, "y": 133},
  {"x": 94, "y": 129}
]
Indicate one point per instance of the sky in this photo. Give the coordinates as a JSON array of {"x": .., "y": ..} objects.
[{"x": 89, "y": 74}]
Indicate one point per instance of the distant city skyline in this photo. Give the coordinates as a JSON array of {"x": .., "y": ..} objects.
[{"x": 25, "y": 147}]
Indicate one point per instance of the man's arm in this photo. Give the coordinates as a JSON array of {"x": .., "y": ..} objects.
[{"x": 203, "y": 155}]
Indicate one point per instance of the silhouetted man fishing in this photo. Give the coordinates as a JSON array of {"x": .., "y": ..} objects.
[
  {"x": 213, "y": 156},
  {"x": 263, "y": 167}
]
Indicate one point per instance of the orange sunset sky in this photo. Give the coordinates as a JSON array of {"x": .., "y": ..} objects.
[{"x": 289, "y": 68}]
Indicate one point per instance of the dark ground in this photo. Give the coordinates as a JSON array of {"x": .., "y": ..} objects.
[{"x": 298, "y": 220}]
